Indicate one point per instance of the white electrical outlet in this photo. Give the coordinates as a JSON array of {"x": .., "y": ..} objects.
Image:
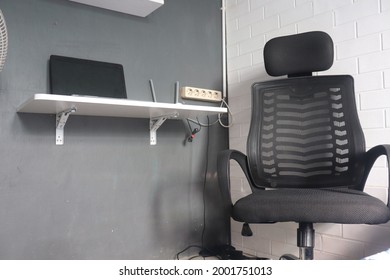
[{"x": 201, "y": 94}]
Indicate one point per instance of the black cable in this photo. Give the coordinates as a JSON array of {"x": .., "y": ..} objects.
[
  {"x": 204, "y": 196},
  {"x": 187, "y": 248},
  {"x": 205, "y": 179},
  {"x": 191, "y": 137}
]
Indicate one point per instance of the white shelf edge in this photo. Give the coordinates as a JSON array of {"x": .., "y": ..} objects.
[
  {"x": 100, "y": 106},
  {"x": 43, "y": 103}
]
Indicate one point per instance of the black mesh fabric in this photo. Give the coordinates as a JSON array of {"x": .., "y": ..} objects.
[
  {"x": 305, "y": 133},
  {"x": 311, "y": 205}
]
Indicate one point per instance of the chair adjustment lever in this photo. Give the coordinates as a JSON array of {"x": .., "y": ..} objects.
[{"x": 246, "y": 230}]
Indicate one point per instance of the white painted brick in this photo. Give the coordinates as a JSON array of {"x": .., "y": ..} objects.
[
  {"x": 257, "y": 77},
  {"x": 385, "y": 5},
  {"x": 233, "y": 76},
  {"x": 242, "y": 117},
  {"x": 277, "y": 6},
  {"x": 359, "y": 46},
  {"x": 235, "y": 226},
  {"x": 377, "y": 136},
  {"x": 368, "y": 233},
  {"x": 301, "y": 2},
  {"x": 245, "y": 130},
  {"x": 249, "y": 252},
  {"x": 257, "y": 4},
  {"x": 265, "y": 25},
  {"x": 322, "y": 6},
  {"x": 297, "y": 14},
  {"x": 386, "y": 40},
  {"x": 239, "y": 62},
  {"x": 257, "y": 244},
  {"x": 321, "y": 255},
  {"x": 378, "y": 176},
  {"x": 344, "y": 66},
  {"x": 356, "y": 11},
  {"x": 386, "y": 75},
  {"x": 232, "y": 51},
  {"x": 284, "y": 31},
  {"x": 239, "y": 145},
  {"x": 235, "y": 196},
  {"x": 242, "y": 102},
  {"x": 246, "y": 189},
  {"x": 373, "y": 24},
  {"x": 237, "y": 240},
  {"x": 236, "y": 11},
  {"x": 269, "y": 231},
  {"x": 251, "y": 18},
  {"x": 291, "y": 237},
  {"x": 238, "y": 89},
  {"x": 231, "y": 3},
  {"x": 372, "y": 119},
  {"x": 235, "y": 131},
  {"x": 349, "y": 248},
  {"x": 235, "y": 37},
  {"x": 234, "y": 104},
  {"x": 258, "y": 58},
  {"x": 286, "y": 226},
  {"x": 342, "y": 32},
  {"x": 375, "y": 99},
  {"x": 329, "y": 229},
  {"x": 323, "y": 22},
  {"x": 241, "y": 89},
  {"x": 375, "y": 61},
  {"x": 252, "y": 44},
  {"x": 368, "y": 81},
  {"x": 279, "y": 248},
  {"x": 236, "y": 170},
  {"x": 372, "y": 249},
  {"x": 232, "y": 25},
  {"x": 236, "y": 185},
  {"x": 387, "y": 117},
  {"x": 380, "y": 193}
]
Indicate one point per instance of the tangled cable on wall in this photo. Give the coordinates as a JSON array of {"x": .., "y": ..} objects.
[{"x": 3, "y": 41}]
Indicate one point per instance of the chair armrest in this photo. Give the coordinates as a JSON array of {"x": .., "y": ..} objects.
[
  {"x": 223, "y": 168},
  {"x": 370, "y": 157}
]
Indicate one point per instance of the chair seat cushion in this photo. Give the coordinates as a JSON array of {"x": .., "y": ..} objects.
[{"x": 339, "y": 205}]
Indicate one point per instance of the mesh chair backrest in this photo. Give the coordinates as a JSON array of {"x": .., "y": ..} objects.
[{"x": 305, "y": 132}]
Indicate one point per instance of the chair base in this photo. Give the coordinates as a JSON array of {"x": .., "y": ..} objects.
[
  {"x": 227, "y": 252},
  {"x": 305, "y": 242},
  {"x": 288, "y": 257}
]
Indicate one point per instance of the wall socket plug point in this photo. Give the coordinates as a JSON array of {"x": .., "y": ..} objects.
[{"x": 200, "y": 94}]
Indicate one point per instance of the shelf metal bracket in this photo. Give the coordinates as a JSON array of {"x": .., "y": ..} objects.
[
  {"x": 61, "y": 119},
  {"x": 155, "y": 123}
]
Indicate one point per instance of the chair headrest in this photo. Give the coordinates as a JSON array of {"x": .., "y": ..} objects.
[{"x": 298, "y": 54}]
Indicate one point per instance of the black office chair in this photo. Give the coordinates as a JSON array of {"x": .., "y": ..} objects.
[{"x": 306, "y": 160}]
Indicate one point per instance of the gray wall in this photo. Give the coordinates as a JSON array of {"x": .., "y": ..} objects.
[{"x": 108, "y": 194}]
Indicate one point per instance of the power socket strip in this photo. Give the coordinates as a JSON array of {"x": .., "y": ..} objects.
[{"x": 200, "y": 94}]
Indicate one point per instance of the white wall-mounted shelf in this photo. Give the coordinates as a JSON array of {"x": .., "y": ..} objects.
[
  {"x": 64, "y": 105},
  {"x": 140, "y": 8}
]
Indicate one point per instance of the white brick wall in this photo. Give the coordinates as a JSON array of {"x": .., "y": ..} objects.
[{"x": 361, "y": 32}]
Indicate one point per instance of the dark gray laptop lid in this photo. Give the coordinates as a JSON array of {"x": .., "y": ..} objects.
[{"x": 74, "y": 76}]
